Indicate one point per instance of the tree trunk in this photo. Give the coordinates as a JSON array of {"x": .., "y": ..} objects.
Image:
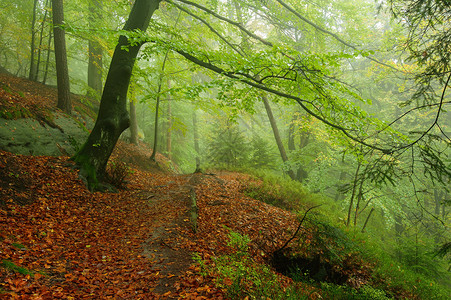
[
  {"x": 169, "y": 132},
  {"x": 41, "y": 36},
  {"x": 367, "y": 219},
  {"x": 47, "y": 61},
  {"x": 351, "y": 201},
  {"x": 359, "y": 200},
  {"x": 133, "y": 124},
  {"x": 301, "y": 174},
  {"x": 341, "y": 178},
  {"x": 32, "y": 73},
  {"x": 113, "y": 117},
  {"x": 275, "y": 130},
  {"x": 196, "y": 142},
  {"x": 157, "y": 108},
  {"x": 155, "y": 132},
  {"x": 95, "y": 64},
  {"x": 62, "y": 73}
]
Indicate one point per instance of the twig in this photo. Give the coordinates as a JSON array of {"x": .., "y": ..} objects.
[{"x": 299, "y": 228}]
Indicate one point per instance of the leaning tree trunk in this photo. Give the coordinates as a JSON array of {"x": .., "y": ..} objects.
[
  {"x": 62, "y": 73},
  {"x": 113, "y": 117},
  {"x": 275, "y": 130}
]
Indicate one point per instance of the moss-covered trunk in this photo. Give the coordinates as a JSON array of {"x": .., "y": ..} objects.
[{"x": 113, "y": 117}]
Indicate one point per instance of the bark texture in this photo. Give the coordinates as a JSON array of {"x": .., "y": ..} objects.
[
  {"x": 113, "y": 117},
  {"x": 62, "y": 73}
]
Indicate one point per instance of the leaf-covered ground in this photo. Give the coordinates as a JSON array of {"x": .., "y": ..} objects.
[
  {"x": 75, "y": 244},
  {"x": 59, "y": 241}
]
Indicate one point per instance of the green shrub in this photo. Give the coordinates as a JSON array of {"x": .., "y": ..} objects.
[
  {"x": 343, "y": 292},
  {"x": 242, "y": 277}
]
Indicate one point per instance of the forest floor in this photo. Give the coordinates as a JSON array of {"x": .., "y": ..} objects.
[
  {"x": 60, "y": 241},
  {"x": 64, "y": 242}
]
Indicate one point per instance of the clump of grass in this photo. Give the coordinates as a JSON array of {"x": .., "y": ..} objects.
[{"x": 9, "y": 265}]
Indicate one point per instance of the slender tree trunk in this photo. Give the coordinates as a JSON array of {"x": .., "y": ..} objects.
[
  {"x": 351, "y": 202},
  {"x": 367, "y": 219},
  {"x": 291, "y": 135},
  {"x": 359, "y": 199},
  {"x": 157, "y": 109},
  {"x": 155, "y": 132},
  {"x": 169, "y": 132},
  {"x": 113, "y": 117},
  {"x": 95, "y": 64},
  {"x": 301, "y": 173},
  {"x": 275, "y": 130},
  {"x": 41, "y": 36},
  {"x": 32, "y": 73},
  {"x": 133, "y": 124},
  {"x": 47, "y": 61},
  {"x": 341, "y": 178},
  {"x": 62, "y": 73},
  {"x": 196, "y": 142}
]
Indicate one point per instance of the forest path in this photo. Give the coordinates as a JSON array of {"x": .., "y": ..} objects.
[
  {"x": 66, "y": 242},
  {"x": 168, "y": 208}
]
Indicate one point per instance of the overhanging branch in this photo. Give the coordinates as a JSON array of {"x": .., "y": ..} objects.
[{"x": 255, "y": 83}]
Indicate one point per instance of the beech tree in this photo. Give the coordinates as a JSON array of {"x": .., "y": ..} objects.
[
  {"x": 95, "y": 53},
  {"x": 113, "y": 117},
  {"x": 62, "y": 73}
]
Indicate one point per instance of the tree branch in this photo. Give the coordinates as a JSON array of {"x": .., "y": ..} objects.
[
  {"x": 317, "y": 27},
  {"x": 209, "y": 26},
  {"x": 299, "y": 228},
  {"x": 255, "y": 83}
]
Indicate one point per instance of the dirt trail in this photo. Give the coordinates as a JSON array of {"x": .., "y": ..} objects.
[{"x": 169, "y": 205}]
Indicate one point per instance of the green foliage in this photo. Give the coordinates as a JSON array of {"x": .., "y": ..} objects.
[
  {"x": 331, "y": 241},
  {"x": 279, "y": 191},
  {"x": 399, "y": 266},
  {"x": 342, "y": 292},
  {"x": 444, "y": 251},
  {"x": 261, "y": 155},
  {"x": 238, "y": 241},
  {"x": 243, "y": 277},
  {"x": 417, "y": 255},
  {"x": 228, "y": 147}
]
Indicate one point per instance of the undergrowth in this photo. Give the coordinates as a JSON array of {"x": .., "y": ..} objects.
[
  {"x": 243, "y": 278},
  {"x": 391, "y": 271},
  {"x": 116, "y": 174}
]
